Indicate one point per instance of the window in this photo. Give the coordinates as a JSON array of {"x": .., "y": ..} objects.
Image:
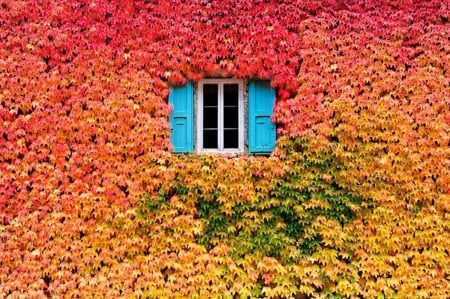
[
  {"x": 220, "y": 116},
  {"x": 230, "y": 117}
]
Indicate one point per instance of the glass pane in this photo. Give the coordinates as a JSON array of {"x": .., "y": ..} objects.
[
  {"x": 210, "y": 92},
  {"x": 210, "y": 139},
  {"x": 231, "y": 94},
  {"x": 210, "y": 117},
  {"x": 231, "y": 139},
  {"x": 231, "y": 117}
]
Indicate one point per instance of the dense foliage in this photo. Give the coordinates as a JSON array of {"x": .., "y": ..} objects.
[{"x": 354, "y": 202}]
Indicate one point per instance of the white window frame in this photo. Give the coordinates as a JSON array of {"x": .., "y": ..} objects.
[{"x": 199, "y": 115}]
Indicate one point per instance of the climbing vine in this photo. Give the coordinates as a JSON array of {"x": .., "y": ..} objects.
[{"x": 353, "y": 202}]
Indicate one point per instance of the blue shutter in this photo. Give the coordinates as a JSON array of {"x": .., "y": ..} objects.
[
  {"x": 261, "y": 131},
  {"x": 182, "y": 118}
]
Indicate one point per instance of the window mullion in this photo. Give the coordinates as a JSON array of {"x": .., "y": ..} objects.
[{"x": 220, "y": 112}]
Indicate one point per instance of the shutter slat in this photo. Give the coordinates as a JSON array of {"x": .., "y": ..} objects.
[
  {"x": 261, "y": 132},
  {"x": 182, "y": 118}
]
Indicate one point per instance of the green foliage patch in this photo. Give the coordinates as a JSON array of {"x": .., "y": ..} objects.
[{"x": 264, "y": 207}]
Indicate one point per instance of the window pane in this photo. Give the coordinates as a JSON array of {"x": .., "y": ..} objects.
[
  {"x": 210, "y": 138},
  {"x": 210, "y": 117},
  {"x": 231, "y": 138},
  {"x": 231, "y": 94},
  {"x": 210, "y": 92},
  {"x": 231, "y": 117}
]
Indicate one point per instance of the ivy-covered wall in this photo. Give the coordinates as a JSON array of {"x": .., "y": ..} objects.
[{"x": 353, "y": 202}]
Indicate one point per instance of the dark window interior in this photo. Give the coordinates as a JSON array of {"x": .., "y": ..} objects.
[
  {"x": 231, "y": 115},
  {"x": 210, "y": 115}
]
